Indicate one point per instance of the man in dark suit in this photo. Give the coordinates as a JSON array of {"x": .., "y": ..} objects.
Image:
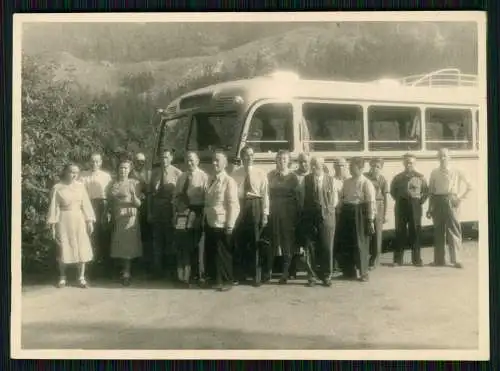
[{"x": 321, "y": 197}]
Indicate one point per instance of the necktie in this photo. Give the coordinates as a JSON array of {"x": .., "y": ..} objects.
[
  {"x": 187, "y": 183},
  {"x": 316, "y": 187},
  {"x": 162, "y": 179}
]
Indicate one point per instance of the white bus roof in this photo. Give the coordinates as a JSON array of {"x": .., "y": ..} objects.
[{"x": 389, "y": 91}]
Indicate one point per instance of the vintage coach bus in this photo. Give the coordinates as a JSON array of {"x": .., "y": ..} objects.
[{"x": 384, "y": 118}]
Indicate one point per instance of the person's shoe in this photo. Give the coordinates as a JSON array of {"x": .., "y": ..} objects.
[
  {"x": 458, "y": 265},
  {"x": 397, "y": 264},
  {"x": 418, "y": 264},
  {"x": 364, "y": 278},
  {"x": 82, "y": 283},
  {"x": 126, "y": 281},
  {"x": 256, "y": 283},
  {"x": 283, "y": 281},
  {"x": 371, "y": 267},
  {"x": 62, "y": 283},
  {"x": 225, "y": 288},
  {"x": 434, "y": 264},
  {"x": 327, "y": 282}
]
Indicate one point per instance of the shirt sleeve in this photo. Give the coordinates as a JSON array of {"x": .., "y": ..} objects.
[
  {"x": 88, "y": 210},
  {"x": 465, "y": 181},
  {"x": 232, "y": 202},
  {"x": 384, "y": 187},
  {"x": 370, "y": 198},
  {"x": 432, "y": 182},
  {"x": 265, "y": 194},
  {"x": 393, "y": 187},
  {"x": 53, "y": 212}
]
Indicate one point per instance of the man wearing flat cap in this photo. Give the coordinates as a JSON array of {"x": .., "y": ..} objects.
[{"x": 409, "y": 191}]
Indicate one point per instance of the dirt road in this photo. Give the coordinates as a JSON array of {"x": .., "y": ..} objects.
[{"x": 400, "y": 308}]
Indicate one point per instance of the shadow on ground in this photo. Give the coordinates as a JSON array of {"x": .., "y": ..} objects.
[{"x": 113, "y": 336}]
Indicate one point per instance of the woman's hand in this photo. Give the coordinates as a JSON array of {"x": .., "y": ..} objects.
[
  {"x": 90, "y": 227},
  {"x": 371, "y": 227}
]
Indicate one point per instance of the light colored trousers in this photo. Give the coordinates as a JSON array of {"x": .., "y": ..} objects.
[{"x": 447, "y": 230}]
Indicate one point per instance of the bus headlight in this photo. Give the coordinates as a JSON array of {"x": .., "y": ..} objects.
[{"x": 238, "y": 100}]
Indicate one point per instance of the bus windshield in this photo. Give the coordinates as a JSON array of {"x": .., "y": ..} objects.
[
  {"x": 173, "y": 134},
  {"x": 212, "y": 131}
]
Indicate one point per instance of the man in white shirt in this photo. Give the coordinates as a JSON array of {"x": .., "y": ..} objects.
[
  {"x": 355, "y": 224},
  {"x": 96, "y": 182},
  {"x": 189, "y": 200},
  {"x": 447, "y": 188},
  {"x": 253, "y": 194},
  {"x": 221, "y": 212}
]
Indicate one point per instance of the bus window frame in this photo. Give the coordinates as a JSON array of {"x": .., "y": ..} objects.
[
  {"x": 362, "y": 105},
  {"x": 420, "y": 108},
  {"x": 155, "y": 159},
  {"x": 235, "y": 139},
  {"x": 248, "y": 120},
  {"x": 448, "y": 107}
]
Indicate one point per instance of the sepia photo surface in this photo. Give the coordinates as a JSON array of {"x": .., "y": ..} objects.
[{"x": 250, "y": 185}]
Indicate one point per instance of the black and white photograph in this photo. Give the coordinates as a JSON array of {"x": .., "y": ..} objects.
[{"x": 250, "y": 185}]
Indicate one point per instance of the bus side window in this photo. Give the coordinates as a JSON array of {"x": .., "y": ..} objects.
[
  {"x": 448, "y": 128},
  {"x": 271, "y": 128},
  {"x": 334, "y": 127},
  {"x": 394, "y": 128}
]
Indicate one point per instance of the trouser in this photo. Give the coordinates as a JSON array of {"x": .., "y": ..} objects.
[
  {"x": 321, "y": 236},
  {"x": 163, "y": 259},
  {"x": 447, "y": 230},
  {"x": 219, "y": 254},
  {"x": 301, "y": 241},
  {"x": 376, "y": 239},
  {"x": 188, "y": 249},
  {"x": 352, "y": 240},
  {"x": 408, "y": 216},
  {"x": 146, "y": 232},
  {"x": 247, "y": 254},
  {"x": 101, "y": 234}
]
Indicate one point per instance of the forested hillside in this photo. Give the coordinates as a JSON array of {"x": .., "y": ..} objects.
[{"x": 97, "y": 86}]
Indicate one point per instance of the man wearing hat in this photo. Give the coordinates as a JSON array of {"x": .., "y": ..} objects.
[
  {"x": 381, "y": 191},
  {"x": 141, "y": 174},
  {"x": 409, "y": 191}
]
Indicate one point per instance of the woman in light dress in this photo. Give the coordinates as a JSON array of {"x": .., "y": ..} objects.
[
  {"x": 71, "y": 219},
  {"x": 124, "y": 201}
]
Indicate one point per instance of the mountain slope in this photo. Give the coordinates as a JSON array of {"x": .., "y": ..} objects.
[{"x": 357, "y": 51}]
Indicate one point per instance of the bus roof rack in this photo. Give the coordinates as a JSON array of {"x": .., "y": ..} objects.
[{"x": 441, "y": 78}]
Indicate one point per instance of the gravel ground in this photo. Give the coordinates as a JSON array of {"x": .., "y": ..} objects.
[{"x": 400, "y": 308}]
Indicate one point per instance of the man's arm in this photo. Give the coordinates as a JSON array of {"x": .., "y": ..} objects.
[{"x": 232, "y": 204}]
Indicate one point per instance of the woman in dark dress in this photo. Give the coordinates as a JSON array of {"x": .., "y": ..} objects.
[{"x": 284, "y": 194}]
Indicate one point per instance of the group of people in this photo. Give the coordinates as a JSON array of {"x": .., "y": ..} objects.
[{"x": 324, "y": 222}]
